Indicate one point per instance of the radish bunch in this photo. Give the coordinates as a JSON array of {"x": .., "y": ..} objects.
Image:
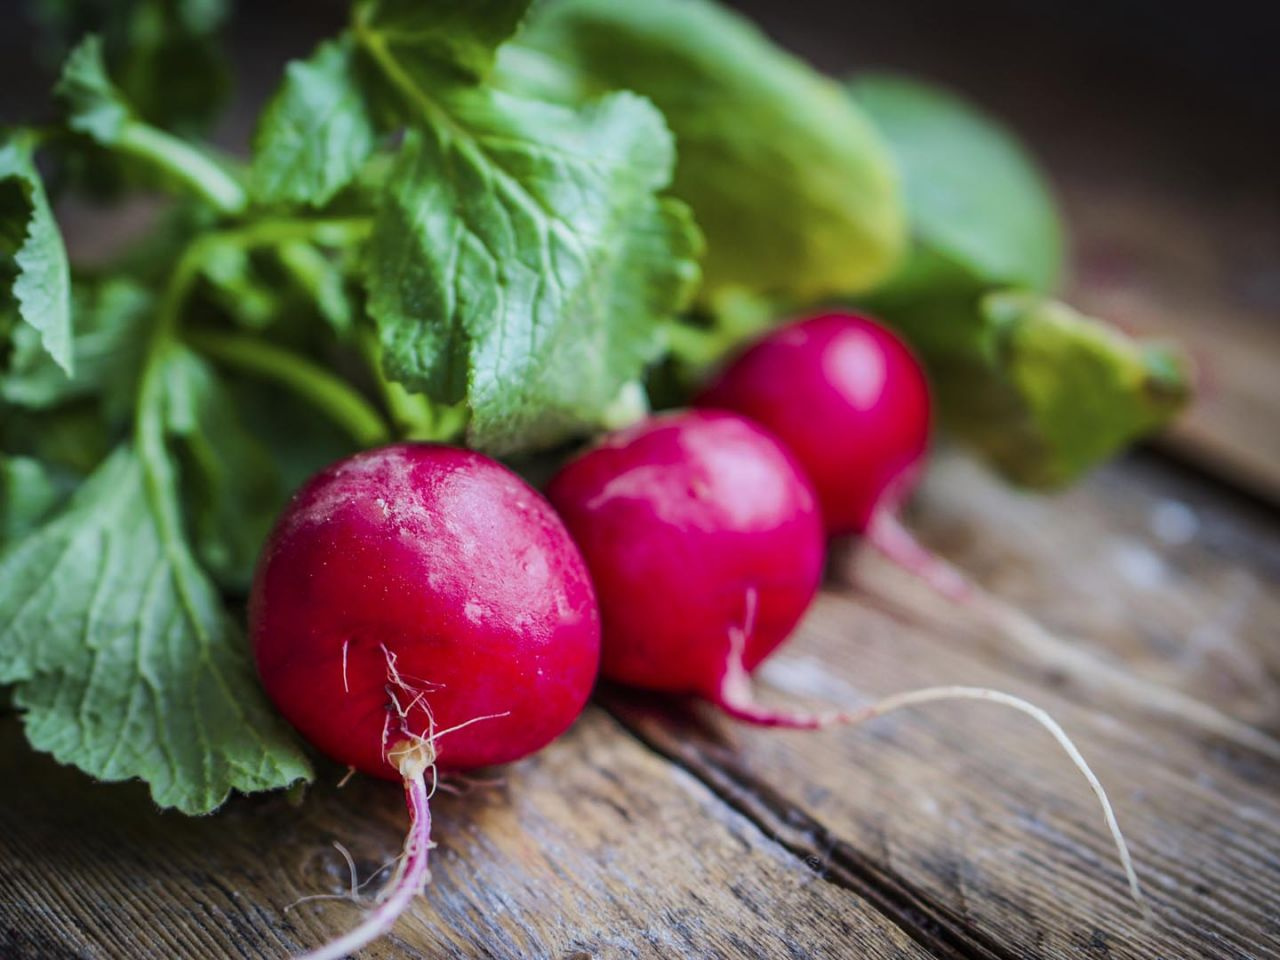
[
  {"x": 419, "y": 607},
  {"x": 703, "y": 530}
]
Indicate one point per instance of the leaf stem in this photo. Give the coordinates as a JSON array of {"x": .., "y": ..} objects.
[
  {"x": 415, "y": 415},
  {"x": 376, "y": 46},
  {"x": 149, "y": 431},
  {"x": 330, "y": 231},
  {"x": 149, "y": 427},
  {"x": 341, "y": 402},
  {"x": 189, "y": 165}
]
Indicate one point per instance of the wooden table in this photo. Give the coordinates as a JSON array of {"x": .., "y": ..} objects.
[
  {"x": 661, "y": 830},
  {"x": 1141, "y": 609}
]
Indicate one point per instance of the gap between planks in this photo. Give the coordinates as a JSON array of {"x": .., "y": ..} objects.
[{"x": 934, "y": 927}]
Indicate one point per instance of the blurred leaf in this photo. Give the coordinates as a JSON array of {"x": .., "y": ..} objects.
[
  {"x": 109, "y": 318},
  {"x": 1043, "y": 391},
  {"x": 319, "y": 128},
  {"x": 34, "y": 257},
  {"x": 28, "y": 491},
  {"x": 792, "y": 186},
  {"x": 974, "y": 196},
  {"x": 97, "y": 108},
  {"x": 166, "y": 54}
]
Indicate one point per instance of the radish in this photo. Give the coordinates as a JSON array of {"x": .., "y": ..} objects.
[
  {"x": 419, "y": 607},
  {"x": 852, "y": 403},
  {"x": 701, "y": 531},
  {"x": 703, "y": 537}
]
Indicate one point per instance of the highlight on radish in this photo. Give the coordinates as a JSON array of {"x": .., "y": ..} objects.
[
  {"x": 851, "y": 401},
  {"x": 421, "y": 608},
  {"x": 702, "y": 535}
]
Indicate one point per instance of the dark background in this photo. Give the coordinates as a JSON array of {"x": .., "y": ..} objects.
[
  {"x": 1181, "y": 91},
  {"x": 1194, "y": 84},
  {"x": 1208, "y": 70}
]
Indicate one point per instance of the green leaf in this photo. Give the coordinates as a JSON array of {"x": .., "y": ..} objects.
[
  {"x": 41, "y": 276},
  {"x": 318, "y": 130},
  {"x": 794, "y": 189},
  {"x": 96, "y": 108},
  {"x": 522, "y": 262},
  {"x": 28, "y": 491},
  {"x": 442, "y": 40},
  {"x": 974, "y": 195},
  {"x": 233, "y": 489},
  {"x": 323, "y": 124},
  {"x": 521, "y": 259},
  {"x": 1041, "y": 390},
  {"x": 124, "y": 662},
  {"x": 107, "y": 345}
]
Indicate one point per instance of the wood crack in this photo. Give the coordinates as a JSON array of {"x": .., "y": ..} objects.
[{"x": 933, "y": 926}]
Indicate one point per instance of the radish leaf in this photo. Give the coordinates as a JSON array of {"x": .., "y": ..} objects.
[
  {"x": 319, "y": 128},
  {"x": 28, "y": 233},
  {"x": 163, "y": 690}
]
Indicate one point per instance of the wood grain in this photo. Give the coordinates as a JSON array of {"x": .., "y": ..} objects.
[
  {"x": 978, "y": 814},
  {"x": 1147, "y": 574},
  {"x": 1202, "y": 267},
  {"x": 595, "y": 848}
]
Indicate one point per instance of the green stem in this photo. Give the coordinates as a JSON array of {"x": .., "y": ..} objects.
[
  {"x": 149, "y": 427},
  {"x": 330, "y": 231},
  {"x": 329, "y": 393},
  {"x": 187, "y": 271},
  {"x": 415, "y": 415},
  {"x": 194, "y": 168},
  {"x": 333, "y": 395},
  {"x": 400, "y": 78}
]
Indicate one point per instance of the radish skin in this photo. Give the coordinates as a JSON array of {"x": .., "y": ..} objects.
[{"x": 421, "y": 608}]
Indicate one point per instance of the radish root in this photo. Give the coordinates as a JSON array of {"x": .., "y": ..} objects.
[
  {"x": 735, "y": 699},
  {"x": 412, "y": 759},
  {"x": 897, "y": 544}
]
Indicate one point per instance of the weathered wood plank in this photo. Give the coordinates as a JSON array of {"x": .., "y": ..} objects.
[
  {"x": 1148, "y": 574},
  {"x": 595, "y": 848},
  {"x": 982, "y": 818},
  {"x": 1202, "y": 266}
]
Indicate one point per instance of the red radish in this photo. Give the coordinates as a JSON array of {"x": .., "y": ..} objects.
[
  {"x": 421, "y": 607},
  {"x": 702, "y": 535},
  {"x": 852, "y": 403}
]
